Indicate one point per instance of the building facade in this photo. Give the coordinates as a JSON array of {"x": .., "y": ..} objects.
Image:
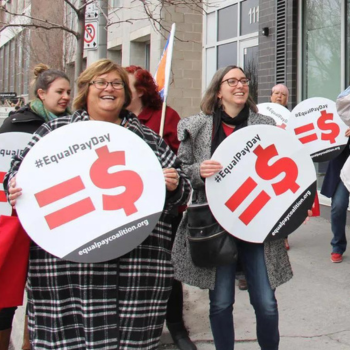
[
  {"x": 21, "y": 48},
  {"x": 301, "y": 43}
]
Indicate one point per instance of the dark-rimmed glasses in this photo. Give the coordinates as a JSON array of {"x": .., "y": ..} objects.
[
  {"x": 102, "y": 84},
  {"x": 234, "y": 82}
]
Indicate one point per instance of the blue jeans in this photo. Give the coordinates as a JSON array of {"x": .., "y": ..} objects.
[
  {"x": 262, "y": 297},
  {"x": 340, "y": 203}
]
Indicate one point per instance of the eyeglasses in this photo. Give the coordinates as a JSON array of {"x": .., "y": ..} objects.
[
  {"x": 234, "y": 82},
  {"x": 102, "y": 84}
]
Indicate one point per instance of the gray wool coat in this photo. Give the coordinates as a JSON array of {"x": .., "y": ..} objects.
[{"x": 195, "y": 134}]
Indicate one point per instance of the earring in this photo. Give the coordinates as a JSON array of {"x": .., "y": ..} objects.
[{"x": 219, "y": 102}]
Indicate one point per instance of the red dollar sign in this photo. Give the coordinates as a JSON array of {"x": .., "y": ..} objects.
[
  {"x": 333, "y": 127},
  {"x": 103, "y": 179},
  {"x": 269, "y": 172}
]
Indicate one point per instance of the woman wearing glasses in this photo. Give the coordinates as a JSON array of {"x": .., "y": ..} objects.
[
  {"x": 227, "y": 107},
  {"x": 119, "y": 304}
]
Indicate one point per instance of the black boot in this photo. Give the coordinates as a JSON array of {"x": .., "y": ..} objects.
[{"x": 180, "y": 336}]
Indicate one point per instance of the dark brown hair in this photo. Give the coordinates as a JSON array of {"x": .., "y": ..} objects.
[
  {"x": 44, "y": 77},
  {"x": 210, "y": 100}
]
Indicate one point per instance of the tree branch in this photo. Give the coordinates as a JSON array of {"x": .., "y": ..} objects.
[
  {"x": 45, "y": 23},
  {"x": 37, "y": 26},
  {"x": 71, "y": 6}
]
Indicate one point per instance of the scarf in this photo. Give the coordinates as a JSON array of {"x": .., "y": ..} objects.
[
  {"x": 38, "y": 108},
  {"x": 220, "y": 116}
]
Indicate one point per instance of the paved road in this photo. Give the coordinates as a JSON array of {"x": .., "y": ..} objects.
[{"x": 314, "y": 306}]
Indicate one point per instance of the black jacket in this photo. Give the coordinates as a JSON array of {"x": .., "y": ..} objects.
[
  {"x": 332, "y": 177},
  {"x": 23, "y": 120}
]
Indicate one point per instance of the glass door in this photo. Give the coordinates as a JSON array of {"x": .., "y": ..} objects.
[{"x": 249, "y": 54}]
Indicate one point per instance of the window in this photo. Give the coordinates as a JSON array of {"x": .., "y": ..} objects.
[
  {"x": 322, "y": 60},
  {"x": 116, "y": 3},
  {"x": 227, "y": 30},
  {"x": 249, "y": 16},
  {"x": 140, "y": 52},
  {"x": 227, "y": 18},
  {"x": 322, "y": 48}
]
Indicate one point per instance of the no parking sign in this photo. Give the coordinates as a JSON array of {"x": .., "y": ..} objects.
[
  {"x": 91, "y": 35},
  {"x": 92, "y": 191}
]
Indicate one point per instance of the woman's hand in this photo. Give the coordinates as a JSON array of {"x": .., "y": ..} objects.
[
  {"x": 209, "y": 168},
  {"x": 309, "y": 214},
  {"x": 14, "y": 192},
  {"x": 347, "y": 132},
  {"x": 171, "y": 178}
]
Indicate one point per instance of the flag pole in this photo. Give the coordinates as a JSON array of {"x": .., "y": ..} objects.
[{"x": 167, "y": 77}]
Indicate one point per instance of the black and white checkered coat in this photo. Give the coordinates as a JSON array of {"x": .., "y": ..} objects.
[{"x": 119, "y": 304}]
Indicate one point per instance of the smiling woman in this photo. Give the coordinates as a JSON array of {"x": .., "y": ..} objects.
[
  {"x": 103, "y": 91},
  {"x": 52, "y": 91},
  {"x": 119, "y": 304},
  {"x": 227, "y": 107}
]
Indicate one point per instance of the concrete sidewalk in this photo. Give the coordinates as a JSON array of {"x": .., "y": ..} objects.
[{"x": 314, "y": 306}]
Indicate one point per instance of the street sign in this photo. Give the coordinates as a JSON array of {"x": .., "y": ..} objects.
[
  {"x": 91, "y": 35},
  {"x": 91, "y": 11}
]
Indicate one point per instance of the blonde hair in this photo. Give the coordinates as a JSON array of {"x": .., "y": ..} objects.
[
  {"x": 44, "y": 77},
  {"x": 99, "y": 67},
  {"x": 210, "y": 101}
]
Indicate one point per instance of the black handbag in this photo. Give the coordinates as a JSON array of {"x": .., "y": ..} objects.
[{"x": 210, "y": 245}]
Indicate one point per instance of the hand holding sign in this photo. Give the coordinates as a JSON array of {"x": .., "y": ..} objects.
[{"x": 209, "y": 168}]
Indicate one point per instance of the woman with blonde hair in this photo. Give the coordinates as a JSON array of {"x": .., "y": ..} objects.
[
  {"x": 52, "y": 97},
  {"x": 121, "y": 303}
]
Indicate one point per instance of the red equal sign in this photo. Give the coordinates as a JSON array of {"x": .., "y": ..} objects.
[
  {"x": 241, "y": 194},
  {"x": 69, "y": 213},
  {"x": 2, "y": 193},
  {"x": 302, "y": 130}
]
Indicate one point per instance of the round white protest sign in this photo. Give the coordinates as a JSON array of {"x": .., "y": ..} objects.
[
  {"x": 279, "y": 113},
  {"x": 317, "y": 125},
  {"x": 11, "y": 144},
  {"x": 266, "y": 186},
  {"x": 95, "y": 191}
]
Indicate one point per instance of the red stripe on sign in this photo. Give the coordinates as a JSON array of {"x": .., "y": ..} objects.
[
  {"x": 69, "y": 213},
  {"x": 254, "y": 207},
  {"x": 241, "y": 194},
  {"x": 3, "y": 198},
  {"x": 307, "y": 139},
  {"x": 59, "y": 191},
  {"x": 304, "y": 128}
]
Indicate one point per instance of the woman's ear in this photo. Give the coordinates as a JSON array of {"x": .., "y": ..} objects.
[{"x": 41, "y": 94}]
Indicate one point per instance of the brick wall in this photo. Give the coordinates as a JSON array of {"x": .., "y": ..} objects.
[{"x": 185, "y": 89}]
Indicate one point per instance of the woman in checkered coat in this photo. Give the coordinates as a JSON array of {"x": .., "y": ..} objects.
[{"x": 119, "y": 304}]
